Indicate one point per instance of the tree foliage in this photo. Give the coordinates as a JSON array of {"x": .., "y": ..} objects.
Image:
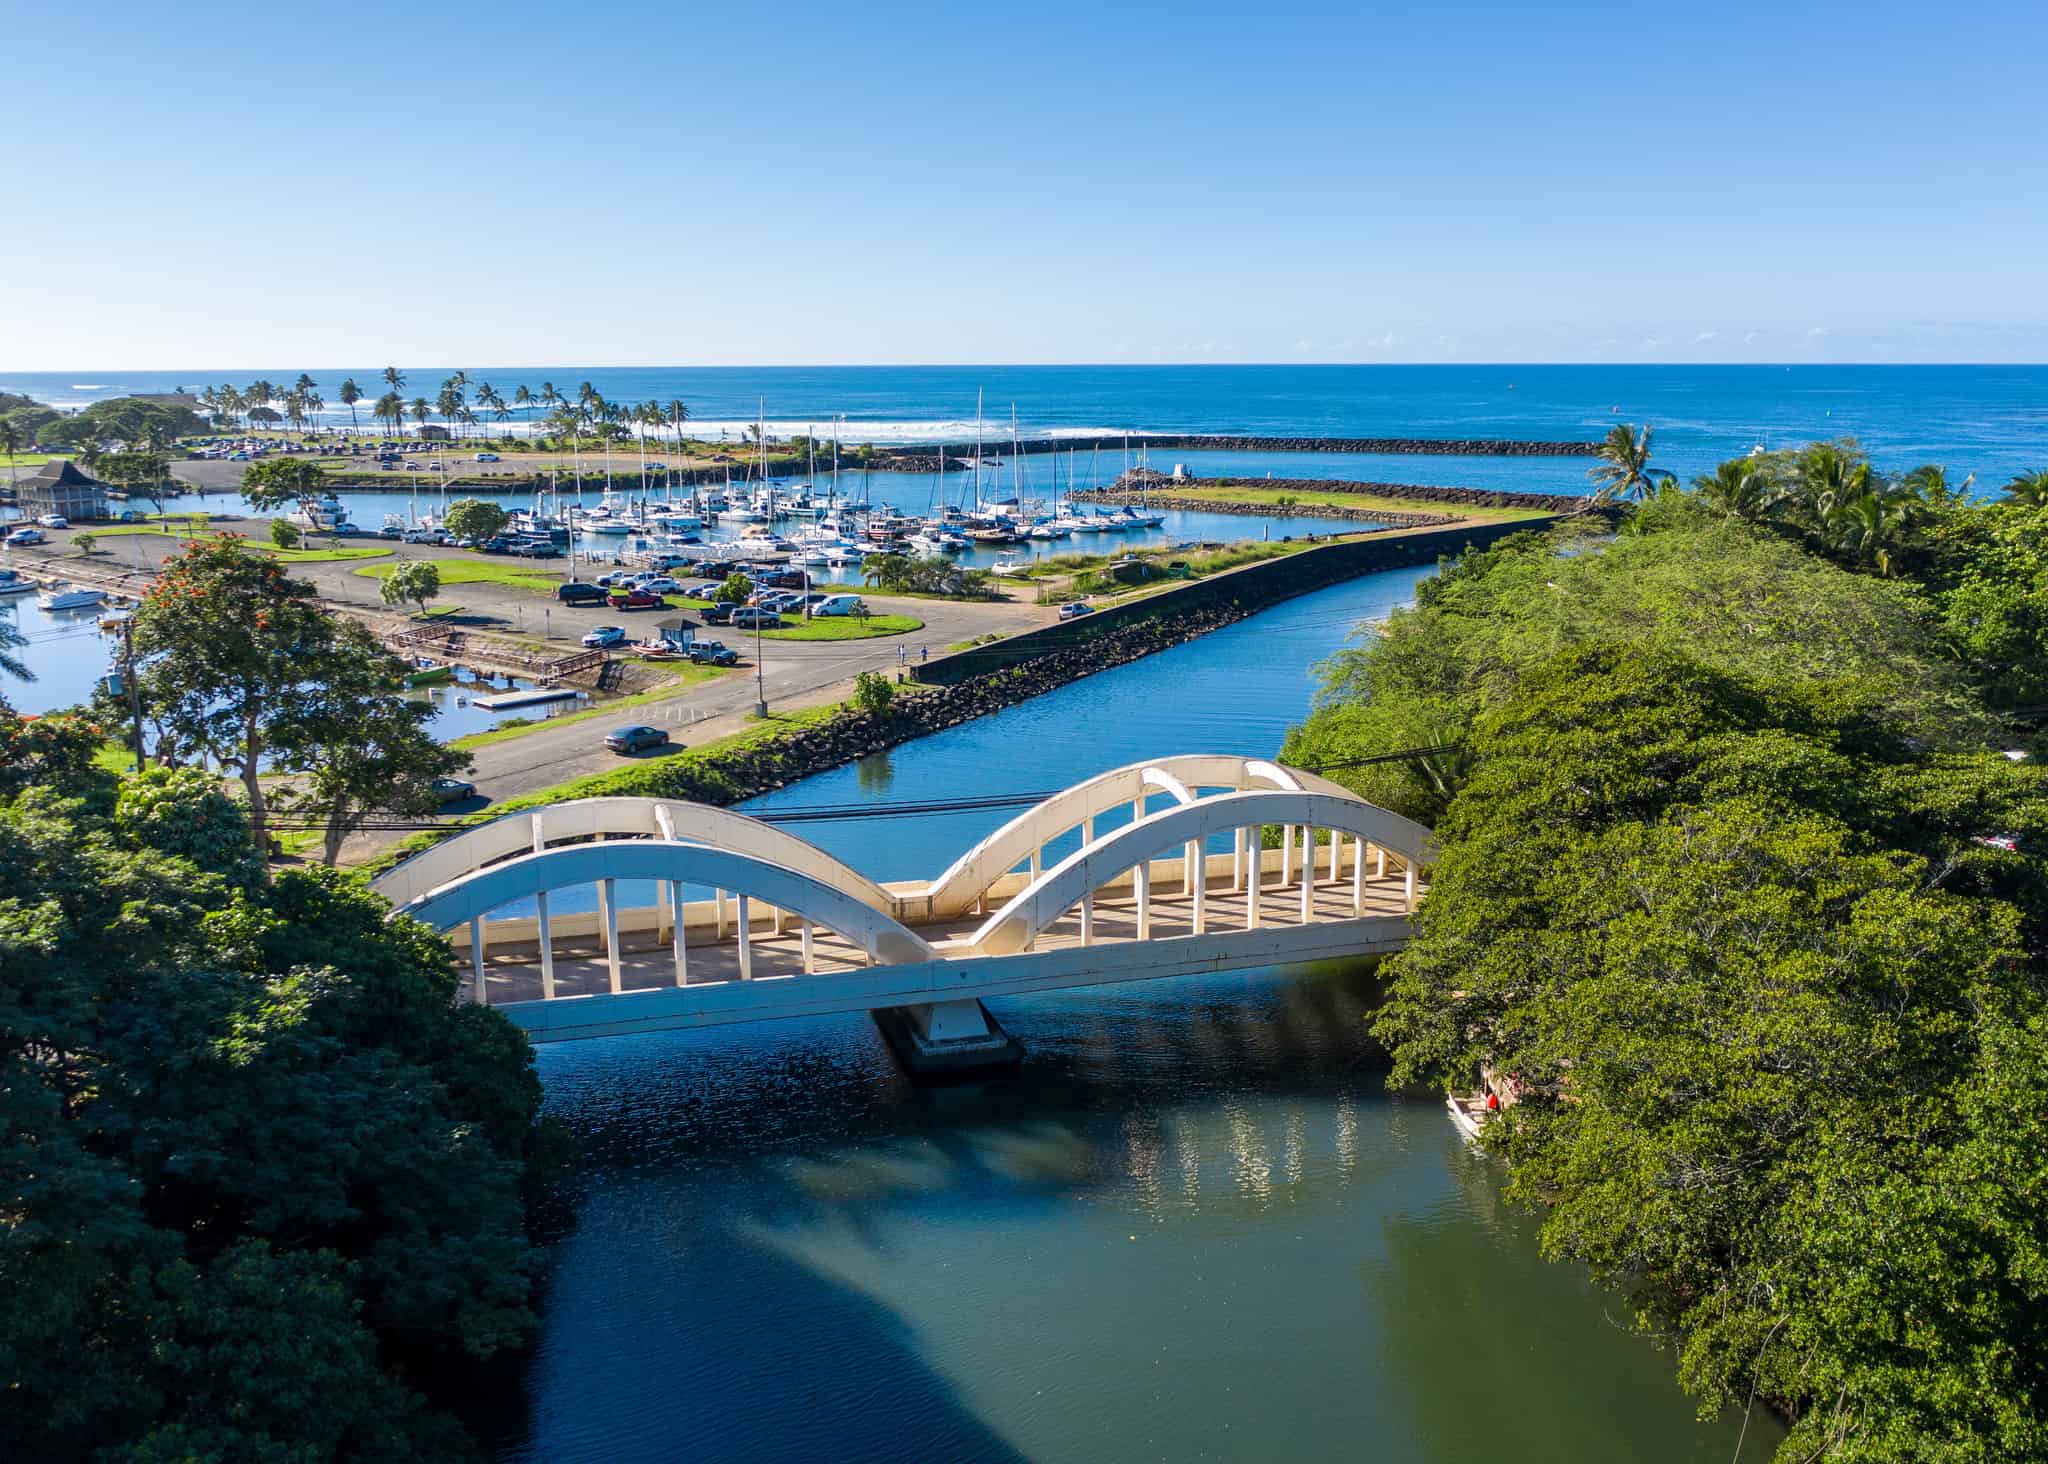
[
  {"x": 413, "y": 582},
  {"x": 476, "y": 518},
  {"x": 262, "y": 1175},
  {"x": 273, "y": 484},
  {"x": 1739, "y": 898}
]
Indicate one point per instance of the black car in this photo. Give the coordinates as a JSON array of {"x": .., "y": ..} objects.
[
  {"x": 577, "y": 593},
  {"x": 718, "y": 614},
  {"x": 498, "y": 545}
]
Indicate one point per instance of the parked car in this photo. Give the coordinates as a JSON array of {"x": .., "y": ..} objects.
[
  {"x": 422, "y": 536},
  {"x": 659, "y": 584},
  {"x": 21, "y": 537},
  {"x": 635, "y": 739},
  {"x": 712, "y": 653},
  {"x": 486, "y": 457},
  {"x": 631, "y": 599},
  {"x": 1074, "y": 610},
  {"x": 390, "y": 531},
  {"x": 705, "y": 589},
  {"x": 453, "y": 790},
  {"x": 753, "y": 617},
  {"x": 605, "y": 635},
  {"x": 841, "y": 605},
  {"x": 536, "y": 549},
  {"x": 54, "y": 521},
  {"x": 713, "y": 614},
  {"x": 498, "y": 545},
  {"x": 575, "y": 592}
]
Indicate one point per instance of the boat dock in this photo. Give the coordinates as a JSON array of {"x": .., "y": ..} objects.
[{"x": 499, "y": 701}]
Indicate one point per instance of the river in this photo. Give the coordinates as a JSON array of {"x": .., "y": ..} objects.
[{"x": 1194, "y": 1226}]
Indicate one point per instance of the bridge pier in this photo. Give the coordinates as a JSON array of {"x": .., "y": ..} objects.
[{"x": 947, "y": 1039}]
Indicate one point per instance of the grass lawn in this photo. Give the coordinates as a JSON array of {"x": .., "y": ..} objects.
[
  {"x": 1298, "y": 503},
  {"x": 685, "y": 676},
  {"x": 258, "y": 546},
  {"x": 478, "y": 571},
  {"x": 843, "y": 627}
]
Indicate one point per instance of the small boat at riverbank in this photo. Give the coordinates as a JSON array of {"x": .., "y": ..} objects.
[
  {"x": 12, "y": 583},
  {"x": 1468, "y": 1112}
]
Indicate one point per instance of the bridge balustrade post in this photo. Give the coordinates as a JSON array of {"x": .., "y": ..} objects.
[
  {"x": 1379, "y": 869},
  {"x": 1308, "y": 873},
  {"x": 476, "y": 958},
  {"x": 1358, "y": 880},
  {"x": 1088, "y": 829},
  {"x": 778, "y": 920},
  {"x": 675, "y": 898},
  {"x": 1408, "y": 884},
  {"x": 1336, "y": 856},
  {"x": 1088, "y": 918},
  {"x": 1036, "y": 852},
  {"x": 746, "y": 947},
  {"x": 721, "y": 913},
  {"x": 547, "y": 948},
  {"x": 1237, "y": 859},
  {"x": 1198, "y": 880},
  {"x": 810, "y": 963},
  {"x": 1255, "y": 841},
  {"x": 1144, "y": 883},
  {"x": 608, "y": 907}
]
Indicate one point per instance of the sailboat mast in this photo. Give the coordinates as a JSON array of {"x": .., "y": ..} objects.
[{"x": 977, "y": 449}]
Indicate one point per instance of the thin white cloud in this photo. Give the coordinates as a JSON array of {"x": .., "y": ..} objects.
[{"x": 1704, "y": 336}]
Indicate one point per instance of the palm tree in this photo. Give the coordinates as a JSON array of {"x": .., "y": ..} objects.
[
  {"x": 233, "y": 403},
  {"x": 523, "y": 400},
  {"x": 1870, "y": 524},
  {"x": 1826, "y": 476},
  {"x": 421, "y": 412},
  {"x": 10, "y": 442},
  {"x": 2030, "y": 489},
  {"x": 390, "y": 409},
  {"x": 1624, "y": 467},
  {"x": 1738, "y": 489},
  {"x": 678, "y": 414},
  {"x": 550, "y": 399},
  {"x": 1930, "y": 482},
  {"x": 495, "y": 400},
  {"x": 350, "y": 395}
]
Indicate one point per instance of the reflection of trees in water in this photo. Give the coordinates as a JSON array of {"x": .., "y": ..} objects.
[
  {"x": 1151, "y": 1086},
  {"x": 874, "y": 773}
]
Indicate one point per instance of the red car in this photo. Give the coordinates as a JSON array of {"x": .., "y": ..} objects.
[{"x": 634, "y": 600}]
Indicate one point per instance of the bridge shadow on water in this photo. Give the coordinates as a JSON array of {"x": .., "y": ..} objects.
[{"x": 718, "y": 1279}]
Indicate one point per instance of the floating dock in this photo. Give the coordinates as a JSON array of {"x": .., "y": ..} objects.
[{"x": 499, "y": 701}]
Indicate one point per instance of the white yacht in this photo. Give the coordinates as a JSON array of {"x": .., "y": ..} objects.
[
  {"x": 61, "y": 597},
  {"x": 12, "y": 583}
]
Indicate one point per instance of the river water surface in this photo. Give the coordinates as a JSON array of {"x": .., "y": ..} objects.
[{"x": 1195, "y": 1226}]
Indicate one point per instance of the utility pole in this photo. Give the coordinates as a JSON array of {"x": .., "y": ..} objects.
[
  {"x": 760, "y": 679},
  {"x": 134, "y": 687}
]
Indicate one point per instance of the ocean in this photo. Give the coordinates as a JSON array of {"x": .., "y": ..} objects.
[{"x": 1987, "y": 420}]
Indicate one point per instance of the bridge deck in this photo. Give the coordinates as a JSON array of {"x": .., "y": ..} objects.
[{"x": 512, "y": 970}]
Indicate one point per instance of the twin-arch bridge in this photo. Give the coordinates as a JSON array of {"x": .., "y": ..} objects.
[{"x": 793, "y": 931}]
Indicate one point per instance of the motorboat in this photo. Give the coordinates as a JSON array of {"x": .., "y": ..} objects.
[
  {"x": 1011, "y": 564},
  {"x": 12, "y": 583},
  {"x": 61, "y": 597}
]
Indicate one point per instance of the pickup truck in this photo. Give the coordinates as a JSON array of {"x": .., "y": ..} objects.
[{"x": 630, "y": 599}]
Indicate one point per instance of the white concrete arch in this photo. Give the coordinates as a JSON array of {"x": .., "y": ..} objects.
[
  {"x": 474, "y": 895},
  {"x": 533, "y": 830},
  {"x": 1019, "y": 839},
  {"x": 1171, "y": 831}
]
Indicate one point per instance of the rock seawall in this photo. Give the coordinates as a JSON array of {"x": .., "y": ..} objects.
[
  {"x": 1158, "y": 492},
  {"x": 926, "y": 459}
]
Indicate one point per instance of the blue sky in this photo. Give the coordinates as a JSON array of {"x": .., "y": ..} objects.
[{"x": 657, "y": 184}]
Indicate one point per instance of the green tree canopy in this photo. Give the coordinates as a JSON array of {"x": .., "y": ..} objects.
[
  {"x": 412, "y": 582},
  {"x": 262, "y": 1172},
  {"x": 274, "y": 483},
  {"x": 476, "y": 518}
]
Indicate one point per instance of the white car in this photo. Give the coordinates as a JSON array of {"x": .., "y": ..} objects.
[
  {"x": 605, "y": 635},
  {"x": 27, "y": 536},
  {"x": 54, "y": 521},
  {"x": 657, "y": 584},
  {"x": 840, "y": 605}
]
